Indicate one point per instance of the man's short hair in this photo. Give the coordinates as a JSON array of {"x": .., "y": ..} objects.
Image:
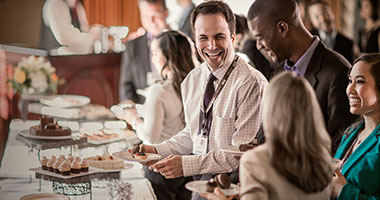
[
  {"x": 214, "y": 7},
  {"x": 163, "y": 2},
  {"x": 274, "y": 10}
]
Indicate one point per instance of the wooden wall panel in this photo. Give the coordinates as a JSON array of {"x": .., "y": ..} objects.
[{"x": 113, "y": 12}]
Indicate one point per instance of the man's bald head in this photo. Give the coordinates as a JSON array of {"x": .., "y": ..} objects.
[{"x": 273, "y": 11}]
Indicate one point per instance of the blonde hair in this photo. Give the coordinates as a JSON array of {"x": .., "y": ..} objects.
[{"x": 296, "y": 135}]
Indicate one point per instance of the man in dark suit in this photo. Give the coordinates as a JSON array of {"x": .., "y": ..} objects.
[
  {"x": 184, "y": 22},
  {"x": 323, "y": 20},
  {"x": 283, "y": 37},
  {"x": 135, "y": 61}
]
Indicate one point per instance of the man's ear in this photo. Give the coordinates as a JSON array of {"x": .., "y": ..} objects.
[{"x": 282, "y": 28}]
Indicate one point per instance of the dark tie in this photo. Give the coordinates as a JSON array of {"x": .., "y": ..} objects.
[
  {"x": 206, "y": 120},
  {"x": 209, "y": 92}
]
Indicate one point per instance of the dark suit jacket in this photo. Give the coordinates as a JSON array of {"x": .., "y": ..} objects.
[
  {"x": 343, "y": 45},
  {"x": 186, "y": 26},
  {"x": 327, "y": 74},
  {"x": 135, "y": 64}
]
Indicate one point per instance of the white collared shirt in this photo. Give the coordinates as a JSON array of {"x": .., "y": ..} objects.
[{"x": 236, "y": 117}]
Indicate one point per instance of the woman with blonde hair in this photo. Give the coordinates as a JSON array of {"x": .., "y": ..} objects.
[{"x": 295, "y": 161}]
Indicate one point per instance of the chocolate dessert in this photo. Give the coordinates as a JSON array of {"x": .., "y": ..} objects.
[
  {"x": 250, "y": 145},
  {"x": 47, "y": 127},
  {"x": 221, "y": 180}
]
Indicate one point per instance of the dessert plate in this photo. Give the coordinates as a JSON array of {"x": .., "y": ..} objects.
[
  {"x": 232, "y": 150},
  {"x": 42, "y": 196},
  {"x": 65, "y": 101},
  {"x": 126, "y": 166},
  {"x": 125, "y": 155},
  {"x": 201, "y": 188},
  {"x": 26, "y": 134}
]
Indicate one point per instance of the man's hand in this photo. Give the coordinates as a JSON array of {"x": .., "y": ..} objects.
[{"x": 169, "y": 167}]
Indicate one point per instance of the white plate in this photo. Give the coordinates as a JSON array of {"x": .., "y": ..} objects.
[
  {"x": 44, "y": 196},
  {"x": 91, "y": 170},
  {"x": 201, "y": 188},
  {"x": 26, "y": 134},
  {"x": 232, "y": 150},
  {"x": 126, "y": 166},
  {"x": 65, "y": 101},
  {"x": 125, "y": 155}
]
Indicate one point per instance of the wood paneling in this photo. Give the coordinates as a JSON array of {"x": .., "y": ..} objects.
[{"x": 113, "y": 12}]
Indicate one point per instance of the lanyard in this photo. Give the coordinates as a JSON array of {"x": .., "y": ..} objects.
[{"x": 220, "y": 87}]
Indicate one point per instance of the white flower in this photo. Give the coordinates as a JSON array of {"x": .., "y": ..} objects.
[{"x": 39, "y": 81}]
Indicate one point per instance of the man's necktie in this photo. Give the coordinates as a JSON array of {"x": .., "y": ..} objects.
[
  {"x": 206, "y": 118},
  {"x": 210, "y": 90}
]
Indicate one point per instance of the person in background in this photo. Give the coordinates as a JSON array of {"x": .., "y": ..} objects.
[
  {"x": 184, "y": 21},
  {"x": 231, "y": 117},
  {"x": 281, "y": 34},
  {"x": 163, "y": 118},
  {"x": 295, "y": 161},
  {"x": 323, "y": 21},
  {"x": 358, "y": 177},
  {"x": 136, "y": 67},
  {"x": 65, "y": 29},
  {"x": 369, "y": 35}
]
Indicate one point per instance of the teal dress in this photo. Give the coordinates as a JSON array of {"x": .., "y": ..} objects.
[{"x": 362, "y": 168}]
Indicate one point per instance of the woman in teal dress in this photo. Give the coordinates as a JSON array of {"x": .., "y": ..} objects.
[{"x": 358, "y": 177}]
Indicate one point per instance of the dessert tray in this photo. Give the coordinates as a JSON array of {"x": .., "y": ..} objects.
[
  {"x": 91, "y": 170},
  {"x": 65, "y": 101},
  {"x": 43, "y": 196},
  {"x": 125, "y": 155},
  {"x": 26, "y": 134},
  {"x": 201, "y": 188},
  {"x": 126, "y": 166},
  {"x": 232, "y": 150}
]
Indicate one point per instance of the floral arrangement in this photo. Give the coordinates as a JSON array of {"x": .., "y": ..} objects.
[{"x": 34, "y": 75}]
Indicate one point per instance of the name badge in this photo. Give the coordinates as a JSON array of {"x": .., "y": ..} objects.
[{"x": 200, "y": 145}]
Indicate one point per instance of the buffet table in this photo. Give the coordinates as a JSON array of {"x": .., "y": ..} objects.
[{"x": 16, "y": 180}]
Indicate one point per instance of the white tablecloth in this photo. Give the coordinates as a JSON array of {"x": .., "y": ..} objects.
[{"x": 17, "y": 180}]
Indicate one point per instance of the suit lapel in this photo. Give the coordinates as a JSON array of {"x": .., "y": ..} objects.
[
  {"x": 347, "y": 141},
  {"x": 315, "y": 64},
  {"x": 363, "y": 148}
]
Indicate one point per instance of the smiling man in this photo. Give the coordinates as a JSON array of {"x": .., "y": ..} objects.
[
  {"x": 221, "y": 99},
  {"x": 280, "y": 33}
]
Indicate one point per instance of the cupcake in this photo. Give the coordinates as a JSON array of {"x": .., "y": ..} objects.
[
  {"x": 57, "y": 164},
  {"x": 75, "y": 167},
  {"x": 44, "y": 162},
  {"x": 61, "y": 157},
  {"x": 84, "y": 165},
  {"x": 64, "y": 168},
  {"x": 50, "y": 163}
]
